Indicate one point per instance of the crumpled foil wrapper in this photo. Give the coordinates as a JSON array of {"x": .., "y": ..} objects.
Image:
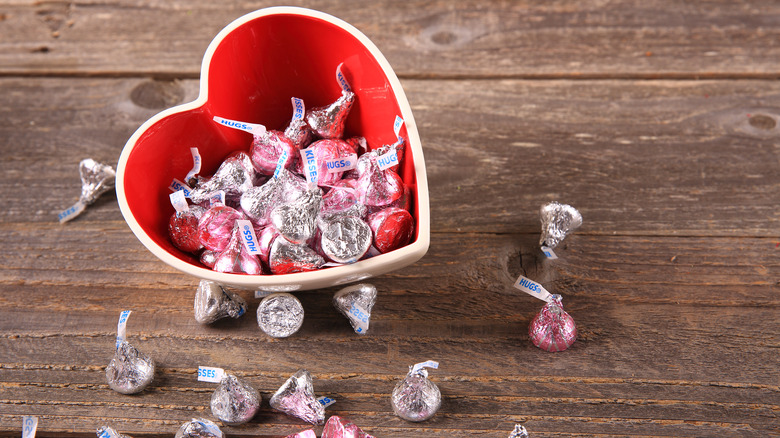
[
  {"x": 280, "y": 315},
  {"x": 234, "y": 401},
  {"x": 416, "y": 398},
  {"x": 328, "y": 121},
  {"x": 213, "y": 302},
  {"x": 338, "y": 427},
  {"x": 296, "y": 398},
  {"x": 199, "y": 428},
  {"x": 519, "y": 432},
  {"x": 96, "y": 179},
  {"x": 553, "y": 329},
  {"x": 129, "y": 371},
  {"x": 346, "y": 239},
  {"x": 109, "y": 432},
  {"x": 355, "y": 302},
  {"x": 558, "y": 220}
]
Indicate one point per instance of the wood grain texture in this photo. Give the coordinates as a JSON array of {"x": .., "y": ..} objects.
[
  {"x": 497, "y": 38},
  {"x": 673, "y": 280}
]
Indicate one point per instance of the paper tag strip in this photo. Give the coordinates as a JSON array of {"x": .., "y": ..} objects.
[
  {"x": 177, "y": 185},
  {"x": 179, "y": 201},
  {"x": 549, "y": 252},
  {"x": 361, "y": 317},
  {"x": 397, "y": 128},
  {"x": 532, "y": 288},
  {"x": 326, "y": 401},
  {"x": 72, "y": 212},
  {"x": 248, "y": 236},
  {"x": 252, "y": 128},
  {"x": 121, "y": 327},
  {"x": 342, "y": 80},
  {"x": 310, "y": 168},
  {"x": 342, "y": 164},
  {"x": 195, "y": 164},
  {"x": 387, "y": 160},
  {"x": 281, "y": 163},
  {"x": 210, "y": 374},
  {"x": 427, "y": 364},
  {"x": 298, "y": 109},
  {"x": 29, "y": 426},
  {"x": 263, "y": 293}
]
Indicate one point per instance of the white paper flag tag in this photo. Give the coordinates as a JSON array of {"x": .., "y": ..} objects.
[
  {"x": 71, "y": 212},
  {"x": 179, "y": 201},
  {"x": 427, "y": 364},
  {"x": 195, "y": 164},
  {"x": 387, "y": 160},
  {"x": 298, "y": 109},
  {"x": 399, "y": 122},
  {"x": 326, "y": 401},
  {"x": 533, "y": 288},
  {"x": 281, "y": 163},
  {"x": 342, "y": 80},
  {"x": 29, "y": 426},
  {"x": 342, "y": 164},
  {"x": 121, "y": 327},
  {"x": 252, "y": 128},
  {"x": 177, "y": 185},
  {"x": 248, "y": 236},
  {"x": 310, "y": 168},
  {"x": 549, "y": 253},
  {"x": 361, "y": 317},
  {"x": 210, "y": 374}
]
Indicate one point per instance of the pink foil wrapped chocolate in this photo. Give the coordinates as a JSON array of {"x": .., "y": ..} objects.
[
  {"x": 308, "y": 433},
  {"x": 183, "y": 228},
  {"x": 236, "y": 257},
  {"x": 215, "y": 227},
  {"x": 318, "y": 154},
  {"x": 392, "y": 228},
  {"x": 296, "y": 398},
  {"x": 553, "y": 329},
  {"x": 338, "y": 427},
  {"x": 268, "y": 147}
]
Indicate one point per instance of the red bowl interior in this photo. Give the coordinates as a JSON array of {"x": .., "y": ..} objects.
[{"x": 251, "y": 76}]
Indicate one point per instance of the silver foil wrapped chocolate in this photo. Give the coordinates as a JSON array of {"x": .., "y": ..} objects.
[
  {"x": 213, "y": 302},
  {"x": 129, "y": 371},
  {"x": 416, "y": 398},
  {"x": 519, "y": 432},
  {"x": 356, "y": 302},
  {"x": 345, "y": 239},
  {"x": 280, "y": 315},
  {"x": 234, "y": 401},
  {"x": 109, "y": 432},
  {"x": 199, "y": 428},
  {"x": 328, "y": 121},
  {"x": 96, "y": 179},
  {"x": 296, "y": 398},
  {"x": 558, "y": 220},
  {"x": 296, "y": 219},
  {"x": 234, "y": 176}
]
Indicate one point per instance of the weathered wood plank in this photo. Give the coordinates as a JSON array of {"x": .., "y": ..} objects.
[
  {"x": 638, "y": 158},
  {"x": 627, "y": 38}
]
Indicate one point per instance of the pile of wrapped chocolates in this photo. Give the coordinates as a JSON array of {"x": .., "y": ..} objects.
[{"x": 299, "y": 199}]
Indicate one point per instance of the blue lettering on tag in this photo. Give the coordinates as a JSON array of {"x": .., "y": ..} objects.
[
  {"x": 250, "y": 243},
  {"x": 298, "y": 109}
]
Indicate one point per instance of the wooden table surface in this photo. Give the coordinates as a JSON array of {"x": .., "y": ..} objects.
[{"x": 657, "y": 120}]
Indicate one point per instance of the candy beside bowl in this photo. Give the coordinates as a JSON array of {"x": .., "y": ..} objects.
[{"x": 250, "y": 72}]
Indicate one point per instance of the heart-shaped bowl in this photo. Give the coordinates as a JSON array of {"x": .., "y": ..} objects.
[{"x": 250, "y": 71}]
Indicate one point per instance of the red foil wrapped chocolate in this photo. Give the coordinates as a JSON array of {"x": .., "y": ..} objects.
[{"x": 392, "y": 228}]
